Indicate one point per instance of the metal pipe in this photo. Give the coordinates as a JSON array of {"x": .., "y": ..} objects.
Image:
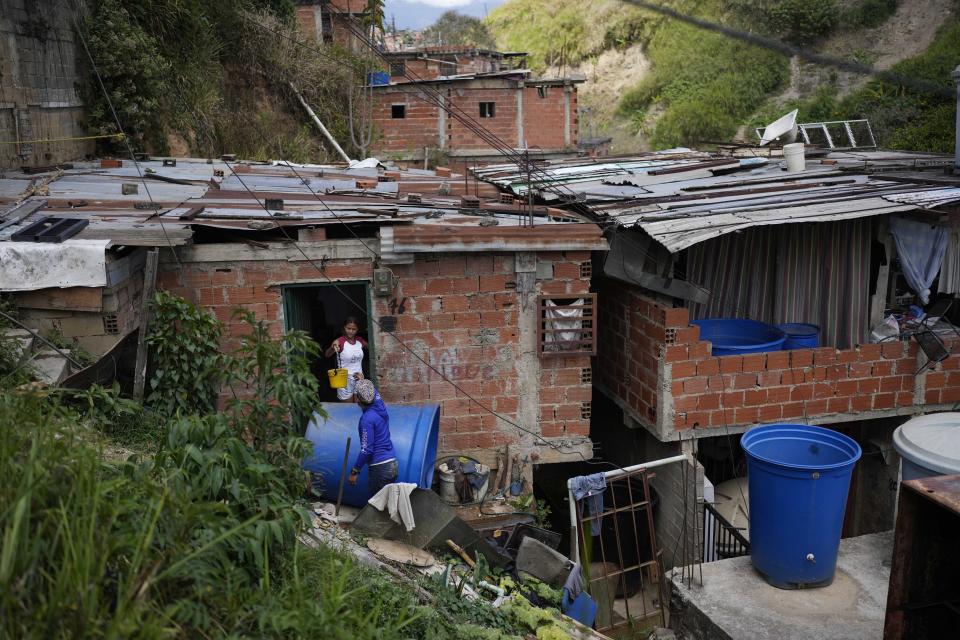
[
  {"x": 343, "y": 471},
  {"x": 323, "y": 129},
  {"x": 574, "y": 546}
]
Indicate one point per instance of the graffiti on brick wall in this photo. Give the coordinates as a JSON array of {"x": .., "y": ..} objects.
[
  {"x": 446, "y": 362},
  {"x": 398, "y": 308}
]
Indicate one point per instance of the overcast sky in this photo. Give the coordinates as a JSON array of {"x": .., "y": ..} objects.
[{"x": 417, "y": 14}]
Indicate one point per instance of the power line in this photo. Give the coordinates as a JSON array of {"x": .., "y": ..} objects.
[{"x": 790, "y": 50}]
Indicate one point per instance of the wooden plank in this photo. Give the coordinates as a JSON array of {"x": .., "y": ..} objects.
[
  {"x": 22, "y": 212},
  {"x": 71, "y": 298},
  {"x": 149, "y": 287}
]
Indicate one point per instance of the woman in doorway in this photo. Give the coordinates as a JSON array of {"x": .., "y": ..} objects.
[{"x": 351, "y": 349}]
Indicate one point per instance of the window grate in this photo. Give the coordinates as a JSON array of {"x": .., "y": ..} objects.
[
  {"x": 567, "y": 326},
  {"x": 488, "y": 109}
]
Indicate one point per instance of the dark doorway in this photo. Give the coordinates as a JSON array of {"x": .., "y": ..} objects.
[{"x": 320, "y": 309}]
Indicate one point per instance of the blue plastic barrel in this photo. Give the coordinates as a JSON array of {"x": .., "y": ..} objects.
[
  {"x": 800, "y": 335},
  {"x": 736, "y": 336},
  {"x": 799, "y": 476},
  {"x": 378, "y": 78},
  {"x": 414, "y": 430}
]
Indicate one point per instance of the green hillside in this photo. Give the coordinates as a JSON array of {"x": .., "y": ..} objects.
[{"x": 702, "y": 87}]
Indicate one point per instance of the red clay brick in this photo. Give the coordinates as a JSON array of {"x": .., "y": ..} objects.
[
  {"x": 745, "y": 380},
  {"x": 816, "y": 407},
  {"x": 778, "y": 360},
  {"x": 892, "y": 350},
  {"x": 802, "y": 392},
  {"x": 838, "y": 405},
  {"x": 860, "y": 370},
  {"x": 848, "y": 387},
  {"x": 731, "y": 364},
  {"x": 684, "y": 369},
  {"x": 747, "y": 415},
  {"x": 700, "y": 350},
  {"x": 847, "y": 356},
  {"x": 675, "y": 353},
  {"x": 688, "y": 335},
  {"x": 778, "y": 395},
  {"x": 882, "y": 368},
  {"x": 769, "y": 378},
  {"x": 792, "y": 410},
  {"x": 870, "y": 352},
  {"x": 868, "y": 386},
  {"x": 754, "y": 362},
  {"x": 770, "y": 413},
  {"x": 754, "y": 397},
  {"x": 679, "y": 317},
  {"x": 708, "y": 367},
  {"x": 824, "y": 355},
  {"x": 861, "y": 402},
  {"x": 694, "y": 385},
  {"x": 801, "y": 358},
  {"x": 708, "y": 402},
  {"x": 904, "y": 398},
  {"x": 884, "y": 401}
]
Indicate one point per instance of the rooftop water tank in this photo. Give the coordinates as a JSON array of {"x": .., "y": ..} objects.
[
  {"x": 929, "y": 445},
  {"x": 414, "y": 430}
]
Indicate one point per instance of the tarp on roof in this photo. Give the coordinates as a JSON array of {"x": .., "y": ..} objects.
[{"x": 26, "y": 266}]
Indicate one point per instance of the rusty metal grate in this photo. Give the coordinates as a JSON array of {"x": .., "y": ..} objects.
[{"x": 625, "y": 576}]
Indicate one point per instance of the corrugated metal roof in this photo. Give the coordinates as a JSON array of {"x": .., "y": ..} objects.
[
  {"x": 678, "y": 231},
  {"x": 929, "y": 198}
]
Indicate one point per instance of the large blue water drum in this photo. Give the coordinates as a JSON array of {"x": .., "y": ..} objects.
[
  {"x": 800, "y": 335},
  {"x": 737, "y": 336},
  {"x": 799, "y": 477},
  {"x": 414, "y": 430}
]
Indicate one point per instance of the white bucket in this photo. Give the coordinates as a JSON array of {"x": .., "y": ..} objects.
[
  {"x": 448, "y": 490},
  {"x": 793, "y": 153}
]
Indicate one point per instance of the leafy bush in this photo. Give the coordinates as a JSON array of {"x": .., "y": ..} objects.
[
  {"x": 707, "y": 84},
  {"x": 868, "y": 13},
  {"x": 188, "y": 368},
  {"x": 797, "y": 21}
]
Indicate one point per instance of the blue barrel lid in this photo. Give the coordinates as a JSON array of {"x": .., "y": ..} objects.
[{"x": 799, "y": 329}]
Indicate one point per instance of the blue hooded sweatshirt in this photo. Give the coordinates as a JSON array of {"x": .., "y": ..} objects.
[{"x": 374, "y": 428}]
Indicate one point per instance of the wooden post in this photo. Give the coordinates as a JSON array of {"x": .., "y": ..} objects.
[{"x": 149, "y": 287}]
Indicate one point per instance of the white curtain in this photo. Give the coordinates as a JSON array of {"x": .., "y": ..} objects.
[{"x": 569, "y": 321}]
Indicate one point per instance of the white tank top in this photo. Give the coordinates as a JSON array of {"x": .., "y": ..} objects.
[{"x": 351, "y": 356}]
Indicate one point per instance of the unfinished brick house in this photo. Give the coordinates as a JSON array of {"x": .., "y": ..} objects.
[
  {"x": 436, "y": 97},
  {"x": 461, "y": 283},
  {"x": 696, "y": 237},
  {"x": 329, "y": 21}
]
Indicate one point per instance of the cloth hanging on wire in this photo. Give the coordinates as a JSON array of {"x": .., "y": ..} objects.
[
  {"x": 590, "y": 488},
  {"x": 920, "y": 246}
]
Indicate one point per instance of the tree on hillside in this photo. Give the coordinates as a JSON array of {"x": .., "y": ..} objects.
[{"x": 458, "y": 29}]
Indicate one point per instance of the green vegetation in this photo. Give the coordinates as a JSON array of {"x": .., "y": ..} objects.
[
  {"x": 561, "y": 31},
  {"x": 200, "y": 532},
  {"x": 212, "y": 77},
  {"x": 705, "y": 84},
  {"x": 797, "y": 21},
  {"x": 901, "y": 117},
  {"x": 454, "y": 28}
]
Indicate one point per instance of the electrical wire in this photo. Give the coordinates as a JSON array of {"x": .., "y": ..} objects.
[{"x": 126, "y": 139}]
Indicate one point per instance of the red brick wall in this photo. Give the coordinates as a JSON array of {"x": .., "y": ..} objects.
[
  {"x": 647, "y": 347},
  {"x": 461, "y": 315},
  {"x": 503, "y": 125},
  {"x": 419, "y": 129},
  {"x": 544, "y": 119}
]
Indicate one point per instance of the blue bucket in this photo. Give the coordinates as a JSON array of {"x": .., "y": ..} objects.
[
  {"x": 414, "y": 430},
  {"x": 736, "y": 336},
  {"x": 800, "y": 335},
  {"x": 799, "y": 477}
]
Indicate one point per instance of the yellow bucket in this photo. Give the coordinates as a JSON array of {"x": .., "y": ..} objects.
[{"x": 338, "y": 378}]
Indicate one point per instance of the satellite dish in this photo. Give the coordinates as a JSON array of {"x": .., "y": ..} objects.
[{"x": 784, "y": 125}]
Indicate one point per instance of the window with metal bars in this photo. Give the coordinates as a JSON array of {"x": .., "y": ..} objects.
[
  {"x": 488, "y": 109},
  {"x": 567, "y": 326},
  {"x": 398, "y": 69}
]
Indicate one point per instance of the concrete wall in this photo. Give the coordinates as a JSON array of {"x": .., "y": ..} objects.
[
  {"x": 39, "y": 73},
  {"x": 665, "y": 377},
  {"x": 463, "y": 314}
]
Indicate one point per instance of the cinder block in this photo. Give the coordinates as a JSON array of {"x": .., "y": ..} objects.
[{"x": 82, "y": 325}]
